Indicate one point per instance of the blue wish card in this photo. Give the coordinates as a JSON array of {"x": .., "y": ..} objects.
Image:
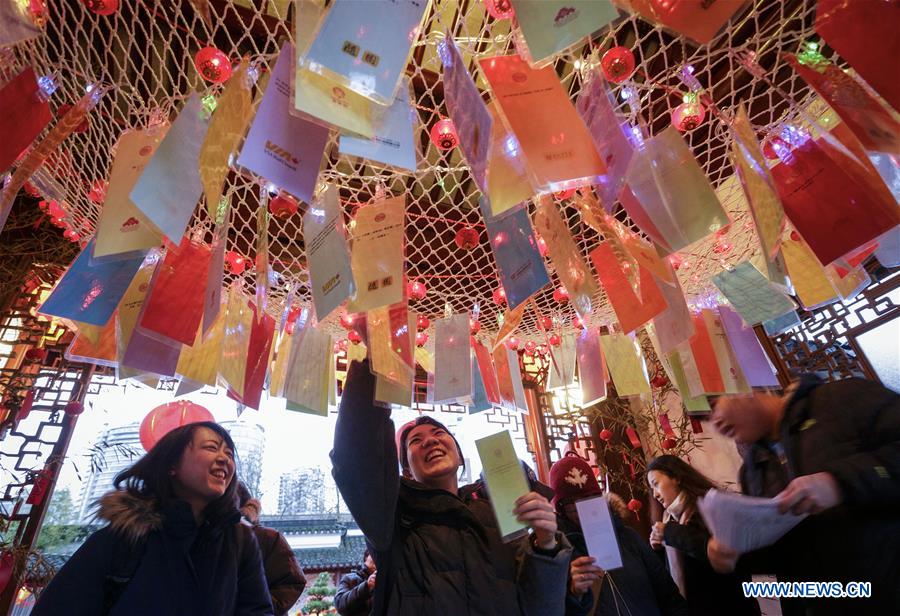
[
  {"x": 394, "y": 141},
  {"x": 522, "y": 270},
  {"x": 90, "y": 291}
]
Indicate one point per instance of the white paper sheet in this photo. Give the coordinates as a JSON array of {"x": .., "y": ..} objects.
[
  {"x": 599, "y": 533},
  {"x": 745, "y": 523}
]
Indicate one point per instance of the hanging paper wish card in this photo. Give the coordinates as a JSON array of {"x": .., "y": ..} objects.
[
  {"x": 758, "y": 185},
  {"x": 592, "y": 373},
  {"x": 226, "y": 129},
  {"x": 320, "y": 100},
  {"x": 215, "y": 273},
  {"x": 309, "y": 372},
  {"x": 480, "y": 401},
  {"x": 729, "y": 368},
  {"x": 238, "y": 322},
  {"x": 811, "y": 285},
  {"x": 331, "y": 276},
  {"x": 376, "y": 256},
  {"x": 751, "y": 294},
  {"x": 487, "y": 373},
  {"x": 169, "y": 187},
  {"x": 699, "y": 20},
  {"x": 123, "y": 228},
  {"x": 781, "y": 324},
  {"x": 888, "y": 251},
  {"x": 282, "y": 355},
  {"x": 704, "y": 358},
  {"x": 398, "y": 390},
  {"x": 554, "y": 140},
  {"x": 625, "y": 365},
  {"x": 19, "y": 22},
  {"x": 850, "y": 283},
  {"x": 573, "y": 272},
  {"x": 200, "y": 362},
  {"x": 511, "y": 321},
  {"x": 284, "y": 149},
  {"x": 671, "y": 363},
  {"x": 631, "y": 311},
  {"x": 132, "y": 303},
  {"x": 394, "y": 141},
  {"x": 365, "y": 45},
  {"x": 850, "y": 28},
  {"x": 830, "y": 197},
  {"x": 674, "y": 192},
  {"x": 608, "y": 133},
  {"x": 388, "y": 339},
  {"x": 515, "y": 374},
  {"x": 146, "y": 354},
  {"x": 673, "y": 325},
  {"x": 89, "y": 291},
  {"x": 522, "y": 270},
  {"x": 757, "y": 368},
  {"x": 23, "y": 115},
  {"x": 138, "y": 351},
  {"x": 508, "y": 177},
  {"x": 561, "y": 372},
  {"x": 872, "y": 124},
  {"x": 644, "y": 253},
  {"x": 686, "y": 378},
  {"x": 466, "y": 108},
  {"x": 174, "y": 309},
  {"x": 259, "y": 347},
  {"x": 452, "y": 359},
  {"x": 551, "y": 26},
  {"x": 101, "y": 352},
  {"x": 504, "y": 378}
]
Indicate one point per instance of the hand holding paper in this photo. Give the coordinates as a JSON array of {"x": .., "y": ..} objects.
[
  {"x": 505, "y": 480},
  {"x": 745, "y": 523},
  {"x": 599, "y": 532}
]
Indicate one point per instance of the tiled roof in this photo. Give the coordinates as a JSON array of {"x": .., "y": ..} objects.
[{"x": 346, "y": 556}]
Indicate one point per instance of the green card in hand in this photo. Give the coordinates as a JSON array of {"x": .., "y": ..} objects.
[{"x": 505, "y": 480}]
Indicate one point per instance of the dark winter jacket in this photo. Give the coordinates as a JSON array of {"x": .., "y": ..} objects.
[
  {"x": 438, "y": 553},
  {"x": 284, "y": 576},
  {"x": 353, "y": 597},
  {"x": 642, "y": 586},
  {"x": 211, "y": 570},
  {"x": 708, "y": 593},
  {"x": 850, "y": 429}
]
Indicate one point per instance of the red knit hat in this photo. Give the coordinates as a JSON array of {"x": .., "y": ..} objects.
[{"x": 572, "y": 478}]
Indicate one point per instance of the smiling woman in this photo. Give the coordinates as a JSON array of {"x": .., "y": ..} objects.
[{"x": 173, "y": 527}]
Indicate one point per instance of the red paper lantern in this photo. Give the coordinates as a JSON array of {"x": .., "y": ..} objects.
[
  {"x": 499, "y": 9},
  {"x": 499, "y": 296},
  {"x": 421, "y": 339},
  {"x": 466, "y": 238},
  {"x": 512, "y": 343},
  {"x": 416, "y": 290},
  {"x": 668, "y": 443},
  {"x": 235, "y": 263},
  {"x": 635, "y": 505},
  {"x": 213, "y": 65},
  {"x": 617, "y": 64},
  {"x": 422, "y": 322},
  {"x": 561, "y": 296},
  {"x": 102, "y": 7},
  {"x": 283, "y": 206},
  {"x": 354, "y": 336},
  {"x": 443, "y": 135},
  {"x": 606, "y": 435},
  {"x": 74, "y": 408},
  {"x": 347, "y": 320},
  {"x": 530, "y": 347},
  {"x": 166, "y": 417},
  {"x": 688, "y": 116},
  {"x": 474, "y": 326},
  {"x": 65, "y": 108},
  {"x": 546, "y": 323},
  {"x": 555, "y": 340},
  {"x": 36, "y": 354},
  {"x": 97, "y": 191}
]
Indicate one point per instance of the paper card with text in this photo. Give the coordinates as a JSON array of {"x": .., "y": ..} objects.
[
  {"x": 259, "y": 345},
  {"x": 309, "y": 372},
  {"x": 631, "y": 310},
  {"x": 508, "y": 178},
  {"x": 24, "y": 114},
  {"x": 479, "y": 401},
  {"x": 516, "y": 252},
  {"x": 757, "y": 368},
  {"x": 515, "y": 375},
  {"x": 400, "y": 391},
  {"x": 468, "y": 111},
  {"x": 169, "y": 188},
  {"x": 215, "y": 273},
  {"x": 782, "y": 323},
  {"x": 674, "y": 324},
  {"x": 704, "y": 356},
  {"x": 132, "y": 305},
  {"x": 551, "y": 26},
  {"x": 320, "y": 100},
  {"x": 672, "y": 365},
  {"x": 327, "y": 256},
  {"x": 388, "y": 340},
  {"x": 238, "y": 323},
  {"x": 504, "y": 378},
  {"x": 376, "y": 256},
  {"x": 592, "y": 373},
  {"x": 811, "y": 284},
  {"x": 284, "y": 149},
  {"x": 90, "y": 291},
  {"x": 123, "y": 228},
  {"x": 393, "y": 142},
  {"x": 487, "y": 373},
  {"x": 452, "y": 358},
  {"x": 699, "y": 20},
  {"x": 200, "y": 362},
  {"x": 100, "y": 352},
  {"x": 554, "y": 140},
  {"x": 366, "y": 44},
  {"x": 599, "y": 532},
  {"x": 751, "y": 294},
  {"x": 626, "y": 367},
  {"x": 574, "y": 274},
  {"x": 505, "y": 479},
  {"x": 139, "y": 351},
  {"x": 729, "y": 367},
  {"x": 561, "y": 372}
]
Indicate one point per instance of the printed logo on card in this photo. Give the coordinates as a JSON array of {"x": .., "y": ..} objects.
[
  {"x": 339, "y": 97},
  {"x": 519, "y": 77},
  {"x": 566, "y": 14},
  {"x": 380, "y": 217},
  {"x": 132, "y": 224},
  {"x": 281, "y": 154}
]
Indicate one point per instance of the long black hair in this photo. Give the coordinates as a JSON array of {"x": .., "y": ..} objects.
[
  {"x": 692, "y": 481},
  {"x": 151, "y": 478}
]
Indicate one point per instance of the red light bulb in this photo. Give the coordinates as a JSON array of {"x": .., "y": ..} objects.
[
  {"x": 283, "y": 206},
  {"x": 561, "y": 296},
  {"x": 617, "y": 64},
  {"x": 443, "y": 135},
  {"x": 466, "y": 238},
  {"x": 416, "y": 290},
  {"x": 499, "y": 296},
  {"x": 213, "y": 65},
  {"x": 421, "y": 339}
]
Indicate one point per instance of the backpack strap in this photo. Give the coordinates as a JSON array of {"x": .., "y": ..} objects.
[{"x": 125, "y": 561}]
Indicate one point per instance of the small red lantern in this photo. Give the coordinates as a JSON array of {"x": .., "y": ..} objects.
[
  {"x": 688, "y": 116},
  {"x": 466, "y": 238},
  {"x": 530, "y": 347},
  {"x": 97, "y": 192},
  {"x": 561, "y": 296},
  {"x": 617, "y": 64},
  {"x": 102, "y": 7},
  {"x": 213, "y": 65},
  {"x": 293, "y": 313},
  {"x": 283, "y": 206},
  {"x": 354, "y": 336},
  {"x": 512, "y": 343},
  {"x": 606, "y": 435},
  {"x": 499, "y": 296},
  {"x": 577, "y": 323},
  {"x": 635, "y": 505},
  {"x": 542, "y": 246},
  {"x": 659, "y": 381},
  {"x": 499, "y": 9},
  {"x": 546, "y": 323},
  {"x": 422, "y": 322},
  {"x": 71, "y": 235},
  {"x": 421, "y": 339},
  {"x": 416, "y": 290},
  {"x": 347, "y": 320},
  {"x": 443, "y": 135},
  {"x": 74, "y": 408},
  {"x": 36, "y": 354},
  {"x": 474, "y": 326},
  {"x": 668, "y": 443},
  {"x": 235, "y": 263},
  {"x": 65, "y": 108},
  {"x": 166, "y": 417},
  {"x": 555, "y": 339}
]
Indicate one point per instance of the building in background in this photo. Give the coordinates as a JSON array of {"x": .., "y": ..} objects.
[{"x": 308, "y": 491}]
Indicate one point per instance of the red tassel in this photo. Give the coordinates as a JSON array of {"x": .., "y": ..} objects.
[
  {"x": 633, "y": 437},
  {"x": 26, "y": 406}
]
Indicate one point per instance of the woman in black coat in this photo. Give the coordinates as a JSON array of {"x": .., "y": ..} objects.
[
  {"x": 677, "y": 486},
  {"x": 174, "y": 543}
]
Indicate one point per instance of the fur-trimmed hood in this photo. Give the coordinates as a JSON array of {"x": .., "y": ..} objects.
[{"x": 128, "y": 515}]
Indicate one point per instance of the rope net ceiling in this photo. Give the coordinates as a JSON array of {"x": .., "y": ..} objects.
[{"x": 144, "y": 54}]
